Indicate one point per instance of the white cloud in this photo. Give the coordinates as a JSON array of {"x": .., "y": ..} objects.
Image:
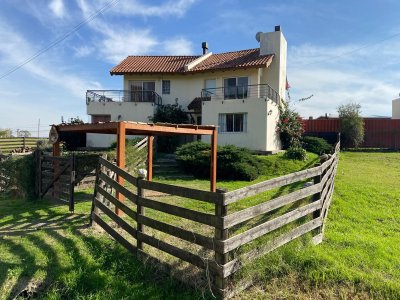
[
  {"x": 58, "y": 8},
  {"x": 178, "y": 46},
  {"x": 17, "y": 49},
  {"x": 174, "y": 7},
  {"x": 83, "y": 51},
  {"x": 338, "y": 75},
  {"x": 119, "y": 44}
]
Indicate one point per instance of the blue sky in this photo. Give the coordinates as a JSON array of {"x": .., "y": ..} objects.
[{"x": 339, "y": 51}]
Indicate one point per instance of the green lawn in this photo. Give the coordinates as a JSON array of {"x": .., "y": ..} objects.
[{"x": 41, "y": 244}]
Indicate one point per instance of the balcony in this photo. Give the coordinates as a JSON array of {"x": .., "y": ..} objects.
[
  {"x": 242, "y": 92},
  {"x": 104, "y": 96}
]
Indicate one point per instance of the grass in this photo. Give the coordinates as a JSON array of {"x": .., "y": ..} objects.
[{"x": 40, "y": 243}]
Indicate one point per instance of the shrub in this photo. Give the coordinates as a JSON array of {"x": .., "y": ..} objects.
[
  {"x": 296, "y": 152},
  {"x": 20, "y": 171},
  {"x": 289, "y": 126},
  {"x": 233, "y": 162},
  {"x": 174, "y": 114},
  {"x": 316, "y": 145},
  {"x": 351, "y": 124}
]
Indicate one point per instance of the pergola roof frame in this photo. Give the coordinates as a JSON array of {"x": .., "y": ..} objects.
[{"x": 123, "y": 128}]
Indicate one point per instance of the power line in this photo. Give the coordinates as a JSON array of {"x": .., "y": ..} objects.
[{"x": 62, "y": 38}]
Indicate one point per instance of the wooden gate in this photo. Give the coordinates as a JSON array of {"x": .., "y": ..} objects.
[{"x": 56, "y": 178}]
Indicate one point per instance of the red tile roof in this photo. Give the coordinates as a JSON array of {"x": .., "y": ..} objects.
[{"x": 175, "y": 64}]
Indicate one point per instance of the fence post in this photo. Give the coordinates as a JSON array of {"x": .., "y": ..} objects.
[
  {"x": 140, "y": 211},
  {"x": 97, "y": 182},
  {"x": 221, "y": 234},
  {"x": 72, "y": 184}
]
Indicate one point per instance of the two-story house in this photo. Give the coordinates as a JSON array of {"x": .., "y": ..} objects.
[{"x": 239, "y": 91}]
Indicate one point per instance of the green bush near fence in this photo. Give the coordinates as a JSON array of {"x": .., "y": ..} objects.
[
  {"x": 20, "y": 174},
  {"x": 316, "y": 145},
  {"x": 233, "y": 162}
]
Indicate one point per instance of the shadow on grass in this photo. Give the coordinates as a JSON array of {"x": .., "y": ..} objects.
[{"x": 49, "y": 246}]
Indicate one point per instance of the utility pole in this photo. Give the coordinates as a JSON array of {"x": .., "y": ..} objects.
[{"x": 38, "y": 128}]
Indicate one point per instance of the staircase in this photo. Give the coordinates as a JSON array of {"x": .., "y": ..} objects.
[{"x": 166, "y": 167}]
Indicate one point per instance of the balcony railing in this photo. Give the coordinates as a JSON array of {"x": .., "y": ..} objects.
[
  {"x": 242, "y": 92},
  {"x": 122, "y": 96}
]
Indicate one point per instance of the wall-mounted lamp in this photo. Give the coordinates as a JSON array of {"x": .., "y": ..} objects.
[
  {"x": 119, "y": 117},
  {"x": 270, "y": 112}
]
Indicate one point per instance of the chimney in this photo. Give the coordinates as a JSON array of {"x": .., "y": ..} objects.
[
  {"x": 275, "y": 43},
  {"x": 204, "y": 45}
]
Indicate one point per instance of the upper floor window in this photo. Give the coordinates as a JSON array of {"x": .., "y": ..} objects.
[
  {"x": 142, "y": 91},
  {"x": 166, "y": 87},
  {"x": 236, "y": 87},
  {"x": 209, "y": 87},
  {"x": 232, "y": 122}
]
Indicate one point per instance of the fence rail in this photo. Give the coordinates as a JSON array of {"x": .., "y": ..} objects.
[
  {"x": 9, "y": 144},
  {"x": 304, "y": 209}
]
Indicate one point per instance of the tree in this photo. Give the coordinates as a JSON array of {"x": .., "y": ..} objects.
[
  {"x": 351, "y": 124},
  {"x": 5, "y": 133},
  {"x": 174, "y": 114},
  {"x": 23, "y": 133}
]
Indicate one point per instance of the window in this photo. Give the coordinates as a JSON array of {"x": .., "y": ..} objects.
[
  {"x": 142, "y": 91},
  {"x": 166, "y": 87},
  {"x": 209, "y": 87},
  {"x": 236, "y": 87},
  {"x": 232, "y": 122},
  {"x": 101, "y": 118}
]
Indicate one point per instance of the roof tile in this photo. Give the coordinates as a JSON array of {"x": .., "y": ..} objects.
[{"x": 175, "y": 64}]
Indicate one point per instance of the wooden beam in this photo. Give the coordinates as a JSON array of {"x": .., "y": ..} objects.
[
  {"x": 213, "y": 167},
  {"x": 120, "y": 161},
  {"x": 150, "y": 158}
]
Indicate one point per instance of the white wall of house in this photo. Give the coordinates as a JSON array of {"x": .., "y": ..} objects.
[
  {"x": 189, "y": 86},
  {"x": 119, "y": 111},
  {"x": 259, "y": 127},
  {"x": 275, "y": 42},
  {"x": 396, "y": 109}
]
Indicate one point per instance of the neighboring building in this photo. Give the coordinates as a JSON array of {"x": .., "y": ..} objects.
[
  {"x": 396, "y": 108},
  {"x": 239, "y": 91}
]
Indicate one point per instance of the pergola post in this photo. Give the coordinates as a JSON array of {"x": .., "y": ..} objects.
[
  {"x": 121, "y": 135},
  {"x": 150, "y": 141},
  {"x": 213, "y": 167}
]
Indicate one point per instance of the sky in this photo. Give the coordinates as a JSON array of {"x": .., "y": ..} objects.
[{"x": 52, "y": 51}]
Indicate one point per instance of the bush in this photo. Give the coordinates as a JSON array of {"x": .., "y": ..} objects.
[
  {"x": 351, "y": 124},
  {"x": 174, "y": 114},
  {"x": 233, "y": 162},
  {"x": 20, "y": 171},
  {"x": 296, "y": 152},
  {"x": 289, "y": 126},
  {"x": 316, "y": 145}
]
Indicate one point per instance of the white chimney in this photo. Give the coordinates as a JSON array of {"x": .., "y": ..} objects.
[{"x": 275, "y": 43}]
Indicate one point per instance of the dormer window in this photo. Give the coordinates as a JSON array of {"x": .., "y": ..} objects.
[{"x": 236, "y": 87}]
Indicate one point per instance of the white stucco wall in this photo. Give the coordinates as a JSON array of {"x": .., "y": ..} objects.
[
  {"x": 129, "y": 111},
  {"x": 187, "y": 87},
  {"x": 255, "y": 137},
  {"x": 275, "y": 43},
  {"x": 396, "y": 109}
]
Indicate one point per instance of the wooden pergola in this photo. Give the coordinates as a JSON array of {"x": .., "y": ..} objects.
[{"x": 124, "y": 128}]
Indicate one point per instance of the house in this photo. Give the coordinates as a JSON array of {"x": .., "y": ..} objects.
[
  {"x": 396, "y": 108},
  {"x": 239, "y": 91}
]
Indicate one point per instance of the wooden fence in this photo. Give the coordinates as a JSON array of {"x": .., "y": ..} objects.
[
  {"x": 56, "y": 178},
  {"x": 221, "y": 235},
  {"x": 9, "y": 144}
]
